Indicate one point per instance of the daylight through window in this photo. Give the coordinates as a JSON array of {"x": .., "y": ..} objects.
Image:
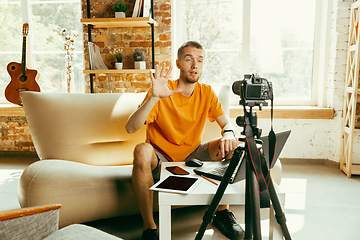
[{"x": 276, "y": 40}]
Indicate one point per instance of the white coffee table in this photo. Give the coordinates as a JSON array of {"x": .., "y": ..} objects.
[{"x": 203, "y": 195}]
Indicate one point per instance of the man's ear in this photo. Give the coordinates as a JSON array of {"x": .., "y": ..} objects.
[{"x": 177, "y": 63}]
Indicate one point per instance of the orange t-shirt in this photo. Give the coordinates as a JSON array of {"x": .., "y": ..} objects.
[{"x": 176, "y": 123}]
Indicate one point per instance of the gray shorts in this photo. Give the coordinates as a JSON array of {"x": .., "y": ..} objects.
[{"x": 201, "y": 153}]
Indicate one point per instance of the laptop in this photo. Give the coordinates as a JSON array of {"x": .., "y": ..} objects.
[{"x": 217, "y": 170}]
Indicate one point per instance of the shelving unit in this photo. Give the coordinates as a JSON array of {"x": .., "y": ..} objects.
[
  {"x": 97, "y": 71},
  {"x": 116, "y": 23},
  {"x": 351, "y": 94}
]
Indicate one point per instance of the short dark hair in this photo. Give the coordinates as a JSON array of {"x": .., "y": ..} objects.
[{"x": 193, "y": 44}]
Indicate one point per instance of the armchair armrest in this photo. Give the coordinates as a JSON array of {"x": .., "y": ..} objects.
[
  {"x": 31, "y": 222},
  {"x": 4, "y": 215}
]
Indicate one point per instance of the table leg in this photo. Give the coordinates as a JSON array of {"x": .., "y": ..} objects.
[
  {"x": 275, "y": 232},
  {"x": 165, "y": 222}
]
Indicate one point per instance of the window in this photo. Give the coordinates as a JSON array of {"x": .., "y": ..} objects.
[
  {"x": 45, "y": 46},
  {"x": 276, "y": 39}
]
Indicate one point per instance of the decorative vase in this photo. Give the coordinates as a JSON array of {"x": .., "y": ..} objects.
[
  {"x": 119, "y": 65},
  {"x": 140, "y": 65},
  {"x": 120, "y": 14}
]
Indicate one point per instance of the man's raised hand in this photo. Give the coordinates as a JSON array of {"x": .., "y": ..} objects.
[{"x": 160, "y": 87}]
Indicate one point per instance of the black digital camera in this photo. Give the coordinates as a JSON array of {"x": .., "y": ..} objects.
[{"x": 253, "y": 90}]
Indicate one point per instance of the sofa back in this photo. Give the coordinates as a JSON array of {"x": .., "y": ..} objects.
[{"x": 88, "y": 128}]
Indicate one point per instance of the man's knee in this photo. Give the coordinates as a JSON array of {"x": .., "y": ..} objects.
[{"x": 143, "y": 153}]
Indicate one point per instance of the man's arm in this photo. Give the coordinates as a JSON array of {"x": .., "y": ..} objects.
[
  {"x": 228, "y": 142},
  {"x": 138, "y": 118},
  {"x": 159, "y": 90}
]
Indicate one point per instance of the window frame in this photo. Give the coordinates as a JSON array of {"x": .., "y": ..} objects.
[
  {"x": 320, "y": 58},
  {"x": 26, "y": 13}
]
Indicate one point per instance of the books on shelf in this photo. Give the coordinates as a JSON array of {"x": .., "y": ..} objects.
[
  {"x": 96, "y": 61},
  {"x": 147, "y": 8},
  {"x": 142, "y": 8},
  {"x": 137, "y": 8}
]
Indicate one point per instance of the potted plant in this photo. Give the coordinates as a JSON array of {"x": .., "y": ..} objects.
[
  {"x": 118, "y": 54},
  {"x": 139, "y": 58},
  {"x": 120, "y": 8}
]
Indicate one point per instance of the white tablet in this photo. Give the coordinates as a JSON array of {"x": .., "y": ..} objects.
[{"x": 176, "y": 184}]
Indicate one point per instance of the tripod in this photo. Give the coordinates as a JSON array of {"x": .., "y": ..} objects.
[{"x": 252, "y": 196}]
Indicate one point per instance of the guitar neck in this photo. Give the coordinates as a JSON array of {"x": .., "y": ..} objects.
[{"x": 23, "y": 61}]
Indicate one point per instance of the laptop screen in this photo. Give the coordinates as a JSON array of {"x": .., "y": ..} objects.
[{"x": 281, "y": 139}]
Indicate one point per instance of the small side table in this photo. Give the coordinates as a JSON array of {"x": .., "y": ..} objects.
[{"x": 203, "y": 195}]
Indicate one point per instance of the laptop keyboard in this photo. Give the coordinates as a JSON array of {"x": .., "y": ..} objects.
[{"x": 219, "y": 171}]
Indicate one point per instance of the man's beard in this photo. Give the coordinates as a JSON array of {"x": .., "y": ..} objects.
[{"x": 190, "y": 79}]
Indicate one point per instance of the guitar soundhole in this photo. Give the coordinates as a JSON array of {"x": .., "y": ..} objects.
[
  {"x": 13, "y": 68},
  {"x": 22, "y": 78}
]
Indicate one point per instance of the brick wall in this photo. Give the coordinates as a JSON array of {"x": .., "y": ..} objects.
[
  {"x": 15, "y": 135},
  {"x": 128, "y": 40}
]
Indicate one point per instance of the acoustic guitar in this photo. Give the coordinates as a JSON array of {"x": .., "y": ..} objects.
[{"x": 22, "y": 79}]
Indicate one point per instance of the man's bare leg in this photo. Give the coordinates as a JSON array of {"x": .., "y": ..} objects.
[{"x": 145, "y": 160}]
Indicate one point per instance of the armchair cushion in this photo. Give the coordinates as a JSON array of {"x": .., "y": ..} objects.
[
  {"x": 86, "y": 192},
  {"x": 80, "y": 232}
]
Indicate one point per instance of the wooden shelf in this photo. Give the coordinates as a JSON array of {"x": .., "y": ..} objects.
[
  {"x": 280, "y": 112},
  {"x": 10, "y": 109},
  {"x": 289, "y": 112},
  {"x": 353, "y": 169},
  {"x": 119, "y": 22},
  {"x": 348, "y": 130},
  {"x": 127, "y": 71},
  {"x": 351, "y": 92}
]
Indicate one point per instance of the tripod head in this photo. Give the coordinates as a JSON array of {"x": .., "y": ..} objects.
[{"x": 250, "y": 119}]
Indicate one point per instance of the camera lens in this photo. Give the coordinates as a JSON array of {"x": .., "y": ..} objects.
[
  {"x": 236, "y": 87},
  {"x": 240, "y": 121}
]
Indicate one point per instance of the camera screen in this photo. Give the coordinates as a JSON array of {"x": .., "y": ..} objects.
[{"x": 253, "y": 91}]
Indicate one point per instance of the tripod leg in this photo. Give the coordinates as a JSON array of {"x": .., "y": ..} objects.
[
  {"x": 279, "y": 214},
  {"x": 248, "y": 206},
  {"x": 209, "y": 214},
  {"x": 255, "y": 204}
]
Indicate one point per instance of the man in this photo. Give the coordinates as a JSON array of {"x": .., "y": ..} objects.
[{"x": 175, "y": 113}]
